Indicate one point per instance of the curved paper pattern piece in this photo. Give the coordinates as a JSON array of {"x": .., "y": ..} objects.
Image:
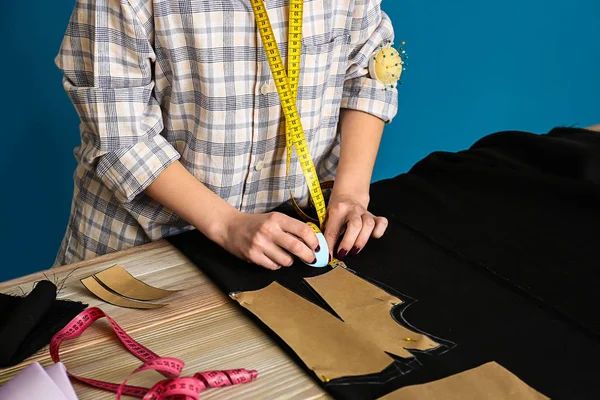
[
  {"x": 489, "y": 381},
  {"x": 101, "y": 292},
  {"x": 366, "y": 309},
  {"x": 324, "y": 343},
  {"x": 117, "y": 279}
]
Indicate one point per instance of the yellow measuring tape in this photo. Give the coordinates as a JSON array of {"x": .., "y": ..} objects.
[{"x": 287, "y": 88}]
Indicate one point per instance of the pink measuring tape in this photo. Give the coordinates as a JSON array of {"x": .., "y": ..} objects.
[{"x": 172, "y": 388}]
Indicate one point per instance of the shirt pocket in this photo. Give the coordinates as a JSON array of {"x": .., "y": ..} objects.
[
  {"x": 324, "y": 20},
  {"x": 322, "y": 74}
]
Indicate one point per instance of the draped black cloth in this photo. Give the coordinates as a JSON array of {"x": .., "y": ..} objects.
[
  {"x": 495, "y": 251},
  {"x": 28, "y": 323}
]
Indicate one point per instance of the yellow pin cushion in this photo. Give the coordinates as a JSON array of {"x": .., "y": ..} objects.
[{"x": 387, "y": 64}]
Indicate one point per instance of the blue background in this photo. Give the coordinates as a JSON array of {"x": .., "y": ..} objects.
[{"x": 474, "y": 67}]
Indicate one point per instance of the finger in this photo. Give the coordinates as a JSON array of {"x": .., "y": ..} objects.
[
  {"x": 300, "y": 230},
  {"x": 280, "y": 256},
  {"x": 368, "y": 224},
  {"x": 381, "y": 225},
  {"x": 296, "y": 247},
  {"x": 333, "y": 229},
  {"x": 261, "y": 259},
  {"x": 353, "y": 228}
]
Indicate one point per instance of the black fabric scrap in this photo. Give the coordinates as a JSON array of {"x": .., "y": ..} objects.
[{"x": 28, "y": 323}]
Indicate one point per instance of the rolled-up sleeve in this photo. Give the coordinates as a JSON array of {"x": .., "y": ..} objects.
[
  {"x": 371, "y": 28},
  {"x": 106, "y": 57}
]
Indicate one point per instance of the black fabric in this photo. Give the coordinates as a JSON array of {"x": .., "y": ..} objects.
[
  {"x": 28, "y": 323},
  {"x": 494, "y": 251},
  {"x": 525, "y": 207}
]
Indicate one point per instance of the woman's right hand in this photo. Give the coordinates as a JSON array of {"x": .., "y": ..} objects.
[{"x": 268, "y": 240}]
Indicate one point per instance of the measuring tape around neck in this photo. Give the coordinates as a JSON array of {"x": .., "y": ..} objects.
[{"x": 287, "y": 88}]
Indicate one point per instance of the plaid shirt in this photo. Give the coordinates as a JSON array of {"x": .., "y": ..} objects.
[{"x": 155, "y": 81}]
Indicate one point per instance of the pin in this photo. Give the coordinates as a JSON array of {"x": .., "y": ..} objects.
[{"x": 388, "y": 64}]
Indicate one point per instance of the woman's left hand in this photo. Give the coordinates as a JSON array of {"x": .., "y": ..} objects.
[{"x": 348, "y": 216}]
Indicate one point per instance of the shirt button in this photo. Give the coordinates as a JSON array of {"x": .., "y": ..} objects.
[
  {"x": 265, "y": 89},
  {"x": 259, "y": 166}
]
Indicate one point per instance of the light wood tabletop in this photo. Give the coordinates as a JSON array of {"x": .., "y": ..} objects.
[{"x": 200, "y": 325}]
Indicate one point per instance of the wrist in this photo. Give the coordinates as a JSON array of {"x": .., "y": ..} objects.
[
  {"x": 218, "y": 227},
  {"x": 358, "y": 193},
  {"x": 353, "y": 180}
]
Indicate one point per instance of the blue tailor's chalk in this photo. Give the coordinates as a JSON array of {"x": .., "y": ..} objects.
[{"x": 322, "y": 254}]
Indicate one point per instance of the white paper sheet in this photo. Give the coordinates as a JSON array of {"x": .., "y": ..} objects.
[
  {"x": 58, "y": 373},
  {"x": 35, "y": 383}
]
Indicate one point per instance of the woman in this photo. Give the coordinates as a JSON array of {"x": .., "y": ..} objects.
[{"x": 182, "y": 125}]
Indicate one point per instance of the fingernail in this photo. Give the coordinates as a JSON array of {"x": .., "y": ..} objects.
[
  {"x": 355, "y": 250},
  {"x": 314, "y": 261},
  {"x": 318, "y": 249},
  {"x": 342, "y": 253}
]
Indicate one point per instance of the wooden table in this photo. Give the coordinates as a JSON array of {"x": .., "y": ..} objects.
[{"x": 200, "y": 326}]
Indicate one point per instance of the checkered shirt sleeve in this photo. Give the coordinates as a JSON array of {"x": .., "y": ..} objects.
[
  {"x": 106, "y": 58},
  {"x": 371, "y": 27}
]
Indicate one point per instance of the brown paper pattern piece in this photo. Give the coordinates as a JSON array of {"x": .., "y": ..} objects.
[
  {"x": 324, "y": 343},
  {"x": 117, "y": 279},
  {"x": 104, "y": 294},
  {"x": 366, "y": 309},
  {"x": 489, "y": 381},
  {"x": 330, "y": 347}
]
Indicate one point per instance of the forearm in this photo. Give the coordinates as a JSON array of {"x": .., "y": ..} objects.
[
  {"x": 177, "y": 189},
  {"x": 360, "y": 138},
  {"x": 594, "y": 128}
]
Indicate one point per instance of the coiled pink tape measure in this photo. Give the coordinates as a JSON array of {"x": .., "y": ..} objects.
[{"x": 174, "y": 387}]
